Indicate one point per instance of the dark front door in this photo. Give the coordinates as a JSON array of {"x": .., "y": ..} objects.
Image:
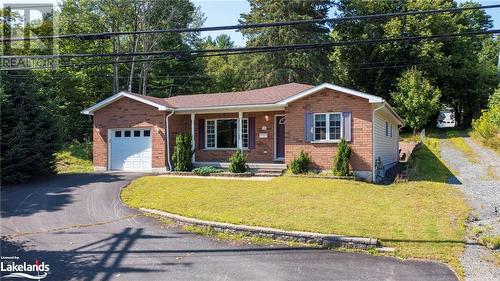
[{"x": 280, "y": 137}]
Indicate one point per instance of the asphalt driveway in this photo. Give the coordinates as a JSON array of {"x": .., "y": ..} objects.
[{"x": 77, "y": 224}]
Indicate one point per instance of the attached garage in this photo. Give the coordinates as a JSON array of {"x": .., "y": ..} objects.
[{"x": 130, "y": 150}]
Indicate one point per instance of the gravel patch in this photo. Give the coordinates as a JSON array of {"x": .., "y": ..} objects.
[{"x": 480, "y": 185}]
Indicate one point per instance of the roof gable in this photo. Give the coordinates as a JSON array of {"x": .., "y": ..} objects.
[
  {"x": 159, "y": 103},
  {"x": 303, "y": 94}
]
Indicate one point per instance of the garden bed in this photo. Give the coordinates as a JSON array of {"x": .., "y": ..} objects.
[{"x": 219, "y": 174}]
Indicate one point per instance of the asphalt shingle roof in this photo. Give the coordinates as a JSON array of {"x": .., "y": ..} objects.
[{"x": 267, "y": 95}]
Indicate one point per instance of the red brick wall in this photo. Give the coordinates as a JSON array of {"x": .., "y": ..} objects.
[
  {"x": 264, "y": 148},
  {"x": 128, "y": 113},
  {"x": 178, "y": 124},
  {"x": 322, "y": 154}
]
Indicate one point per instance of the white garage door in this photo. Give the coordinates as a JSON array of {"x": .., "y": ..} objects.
[{"x": 130, "y": 149}]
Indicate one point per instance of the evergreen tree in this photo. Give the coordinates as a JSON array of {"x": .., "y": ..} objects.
[
  {"x": 29, "y": 134},
  {"x": 283, "y": 67}
]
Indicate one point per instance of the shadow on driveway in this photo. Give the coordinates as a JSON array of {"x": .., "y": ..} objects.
[{"x": 49, "y": 194}]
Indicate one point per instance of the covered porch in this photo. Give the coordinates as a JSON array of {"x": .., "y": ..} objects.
[{"x": 259, "y": 133}]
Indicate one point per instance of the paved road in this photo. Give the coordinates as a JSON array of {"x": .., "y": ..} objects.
[{"x": 77, "y": 225}]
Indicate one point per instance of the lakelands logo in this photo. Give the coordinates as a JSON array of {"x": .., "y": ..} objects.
[{"x": 15, "y": 269}]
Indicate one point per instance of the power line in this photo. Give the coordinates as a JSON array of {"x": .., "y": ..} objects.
[
  {"x": 106, "y": 35},
  {"x": 250, "y": 50}
]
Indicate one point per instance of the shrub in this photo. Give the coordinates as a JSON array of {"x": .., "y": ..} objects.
[
  {"x": 488, "y": 125},
  {"x": 205, "y": 171},
  {"x": 341, "y": 161},
  {"x": 300, "y": 165},
  {"x": 237, "y": 162},
  {"x": 182, "y": 152}
]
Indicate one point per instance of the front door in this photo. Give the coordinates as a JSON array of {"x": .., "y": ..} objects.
[{"x": 280, "y": 137}]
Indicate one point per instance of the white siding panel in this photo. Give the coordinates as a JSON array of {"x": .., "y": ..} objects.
[{"x": 385, "y": 147}]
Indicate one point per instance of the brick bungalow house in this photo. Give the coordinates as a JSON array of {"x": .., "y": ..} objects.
[{"x": 271, "y": 125}]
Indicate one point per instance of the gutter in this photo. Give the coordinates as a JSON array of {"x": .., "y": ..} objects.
[
  {"x": 374, "y": 177},
  {"x": 167, "y": 136}
]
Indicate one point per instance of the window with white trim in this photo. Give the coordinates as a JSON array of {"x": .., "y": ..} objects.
[
  {"x": 391, "y": 131},
  {"x": 386, "y": 128},
  {"x": 244, "y": 133},
  {"x": 223, "y": 133},
  {"x": 210, "y": 133},
  {"x": 327, "y": 126}
]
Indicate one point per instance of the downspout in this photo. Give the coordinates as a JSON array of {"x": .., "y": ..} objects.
[
  {"x": 374, "y": 177},
  {"x": 167, "y": 136}
]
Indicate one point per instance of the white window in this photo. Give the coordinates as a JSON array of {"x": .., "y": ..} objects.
[
  {"x": 210, "y": 133},
  {"x": 386, "y": 128},
  {"x": 327, "y": 126},
  {"x": 223, "y": 133},
  {"x": 391, "y": 130},
  {"x": 244, "y": 132}
]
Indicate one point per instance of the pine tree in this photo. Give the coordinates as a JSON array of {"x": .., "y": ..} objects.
[
  {"x": 30, "y": 135},
  {"x": 283, "y": 67}
]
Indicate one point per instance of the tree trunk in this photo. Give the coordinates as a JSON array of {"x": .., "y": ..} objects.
[
  {"x": 131, "y": 76},
  {"x": 145, "y": 78},
  {"x": 116, "y": 49},
  {"x": 458, "y": 114}
]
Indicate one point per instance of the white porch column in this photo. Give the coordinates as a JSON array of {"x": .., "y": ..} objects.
[
  {"x": 240, "y": 130},
  {"x": 193, "y": 158}
]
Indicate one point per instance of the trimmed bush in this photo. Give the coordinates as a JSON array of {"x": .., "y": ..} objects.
[
  {"x": 205, "y": 171},
  {"x": 182, "y": 152},
  {"x": 341, "y": 160},
  {"x": 300, "y": 165},
  {"x": 238, "y": 162}
]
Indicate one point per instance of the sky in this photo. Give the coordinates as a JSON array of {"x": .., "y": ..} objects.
[{"x": 227, "y": 12}]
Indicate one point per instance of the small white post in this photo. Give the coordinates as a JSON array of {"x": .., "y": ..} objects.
[
  {"x": 193, "y": 158},
  {"x": 240, "y": 130}
]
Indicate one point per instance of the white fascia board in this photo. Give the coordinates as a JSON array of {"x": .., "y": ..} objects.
[
  {"x": 113, "y": 98},
  {"x": 389, "y": 112},
  {"x": 231, "y": 108},
  {"x": 370, "y": 98},
  {"x": 393, "y": 112}
]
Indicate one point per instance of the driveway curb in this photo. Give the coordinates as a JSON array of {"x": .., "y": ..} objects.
[{"x": 326, "y": 240}]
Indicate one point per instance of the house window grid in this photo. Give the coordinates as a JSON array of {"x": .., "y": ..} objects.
[
  {"x": 332, "y": 131},
  {"x": 120, "y": 133},
  {"x": 211, "y": 133}
]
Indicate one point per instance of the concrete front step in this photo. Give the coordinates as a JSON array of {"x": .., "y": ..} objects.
[{"x": 267, "y": 172}]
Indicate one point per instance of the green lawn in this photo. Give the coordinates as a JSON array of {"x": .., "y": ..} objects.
[
  {"x": 74, "y": 158},
  {"x": 421, "y": 219}
]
